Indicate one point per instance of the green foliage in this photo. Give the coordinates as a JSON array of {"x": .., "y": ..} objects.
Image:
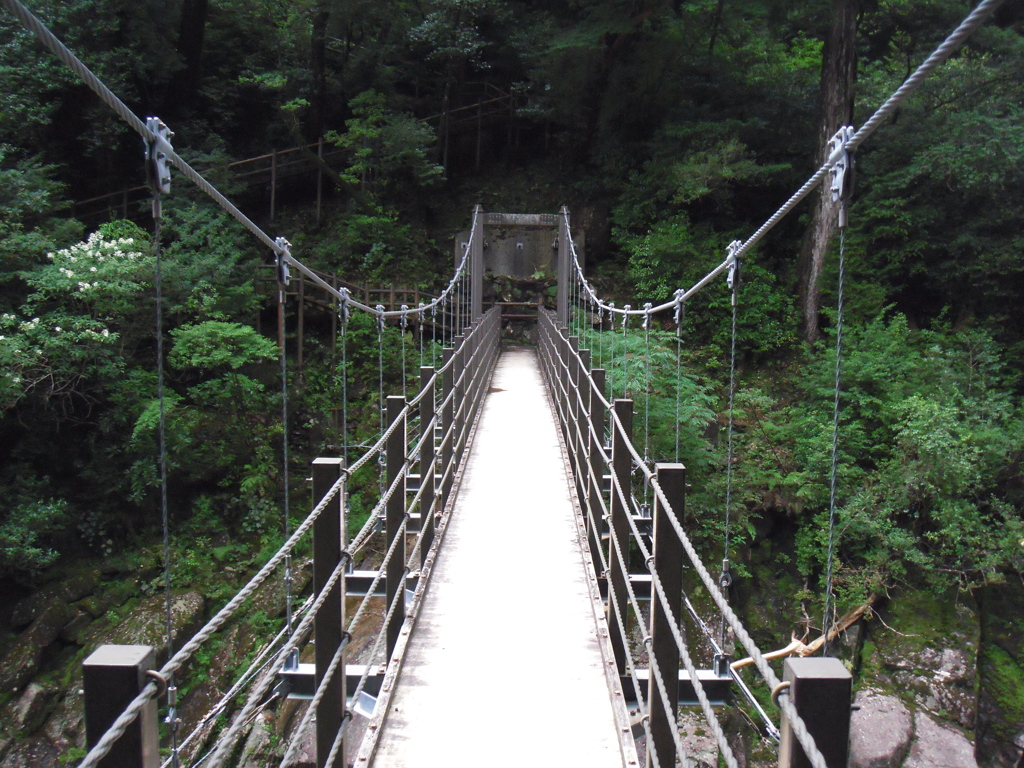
[
  {"x": 388, "y": 150},
  {"x": 23, "y": 533}
]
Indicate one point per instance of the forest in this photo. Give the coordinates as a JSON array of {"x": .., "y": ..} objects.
[{"x": 669, "y": 129}]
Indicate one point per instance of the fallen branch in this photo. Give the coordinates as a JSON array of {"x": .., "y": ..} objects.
[{"x": 799, "y": 648}]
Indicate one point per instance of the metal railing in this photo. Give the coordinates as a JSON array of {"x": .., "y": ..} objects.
[
  {"x": 603, "y": 478},
  {"x": 442, "y": 416}
]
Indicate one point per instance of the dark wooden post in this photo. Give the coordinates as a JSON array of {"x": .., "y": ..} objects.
[
  {"x": 618, "y": 568},
  {"x": 596, "y": 525},
  {"x": 394, "y": 516},
  {"x": 113, "y": 676},
  {"x": 476, "y": 267},
  {"x": 427, "y": 431},
  {"x": 459, "y": 371},
  {"x": 447, "y": 424},
  {"x": 328, "y": 543},
  {"x": 319, "y": 179},
  {"x": 273, "y": 183},
  {"x": 668, "y": 564},
  {"x": 563, "y": 266},
  {"x": 820, "y": 689}
]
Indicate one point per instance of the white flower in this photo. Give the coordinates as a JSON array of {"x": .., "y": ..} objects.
[
  {"x": 56, "y": 329},
  {"x": 105, "y": 333},
  {"x": 92, "y": 269}
]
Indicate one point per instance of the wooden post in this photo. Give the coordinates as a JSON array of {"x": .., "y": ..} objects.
[
  {"x": 618, "y": 568},
  {"x": 583, "y": 438},
  {"x": 458, "y": 369},
  {"x": 479, "y": 129},
  {"x": 113, "y": 676},
  {"x": 596, "y": 525},
  {"x": 668, "y": 564},
  {"x": 301, "y": 325},
  {"x": 447, "y": 423},
  {"x": 394, "y": 516},
  {"x": 273, "y": 183},
  {"x": 427, "y": 431},
  {"x": 563, "y": 267},
  {"x": 328, "y": 543},
  {"x": 820, "y": 689},
  {"x": 319, "y": 178},
  {"x": 476, "y": 267}
]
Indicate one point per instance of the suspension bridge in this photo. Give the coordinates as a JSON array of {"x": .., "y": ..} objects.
[{"x": 516, "y": 455}]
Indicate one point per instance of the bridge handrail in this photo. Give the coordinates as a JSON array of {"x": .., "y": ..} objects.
[{"x": 557, "y": 359}]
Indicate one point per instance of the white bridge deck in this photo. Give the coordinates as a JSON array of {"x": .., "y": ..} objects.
[{"x": 507, "y": 663}]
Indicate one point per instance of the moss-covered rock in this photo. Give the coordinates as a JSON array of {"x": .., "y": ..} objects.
[{"x": 1000, "y": 730}]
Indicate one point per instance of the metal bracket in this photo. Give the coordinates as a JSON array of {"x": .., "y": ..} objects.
[
  {"x": 405, "y": 316},
  {"x": 380, "y": 317},
  {"x": 158, "y": 147},
  {"x": 625, "y": 316},
  {"x": 647, "y": 315},
  {"x": 841, "y": 172},
  {"x": 733, "y": 277},
  {"x": 343, "y": 309},
  {"x": 282, "y": 250},
  {"x": 725, "y": 580}
]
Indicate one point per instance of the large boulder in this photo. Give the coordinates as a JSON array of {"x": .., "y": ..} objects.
[
  {"x": 925, "y": 647},
  {"x": 34, "y": 704},
  {"x": 32, "y": 607},
  {"x": 1000, "y": 728},
  {"x": 146, "y": 624},
  {"x": 937, "y": 746},
  {"x": 881, "y": 729},
  {"x": 21, "y": 662}
]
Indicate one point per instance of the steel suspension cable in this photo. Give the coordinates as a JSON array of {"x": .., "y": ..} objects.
[
  {"x": 827, "y": 619},
  {"x": 173, "y": 722},
  {"x": 726, "y": 579},
  {"x": 679, "y": 318}
]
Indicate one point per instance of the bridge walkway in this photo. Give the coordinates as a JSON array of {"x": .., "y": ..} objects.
[{"x": 507, "y": 663}]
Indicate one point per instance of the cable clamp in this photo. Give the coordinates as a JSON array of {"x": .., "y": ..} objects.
[
  {"x": 380, "y": 317},
  {"x": 405, "y": 316},
  {"x": 725, "y": 580},
  {"x": 343, "y": 308},
  {"x": 780, "y": 690},
  {"x": 733, "y": 277},
  {"x": 158, "y": 149},
  {"x": 282, "y": 252},
  {"x": 625, "y": 315},
  {"x": 160, "y": 680},
  {"x": 721, "y": 665},
  {"x": 647, "y": 315},
  {"x": 841, "y": 170}
]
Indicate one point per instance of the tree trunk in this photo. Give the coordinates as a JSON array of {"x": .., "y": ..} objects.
[
  {"x": 838, "y": 75},
  {"x": 318, "y": 67},
  {"x": 191, "y": 35}
]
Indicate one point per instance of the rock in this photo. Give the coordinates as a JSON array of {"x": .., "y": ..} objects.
[
  {"x": 926, "y": 652},
  {"x": 938, "y": 747},
  {"x": 145, "y": 624},
  {"x": 880, "y": 731},
  {"x": 66, "y": 725},
  {"x": 21, "y": 661},
  {"x": 32, "y": 753},
  {"x": 76, "y": 629},
  {"x": 697, "y": 739},
  {"x": 33, "y": 706},
  {"x": 1000, "y": 729},
  {"x": 96, "y": 605},
  {"x": 28, "y": 610},
  {"x": 257, "y": 751}
]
